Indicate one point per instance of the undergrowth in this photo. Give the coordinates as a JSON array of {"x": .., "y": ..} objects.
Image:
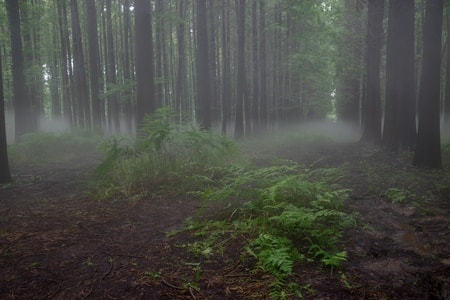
[
  {"x": 289, "y": 214},
  {"x": 163, "y": 154}
]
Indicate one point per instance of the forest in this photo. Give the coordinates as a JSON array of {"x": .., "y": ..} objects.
[{"x": 233, "y": 149}]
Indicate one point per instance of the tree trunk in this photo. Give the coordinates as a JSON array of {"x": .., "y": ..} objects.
[
  {"x": 428, "y": 149},
  {"x": 94, "y": 62},
  {"x": 263, "y": 68},
  {"x": 372, "y": 105},
  {"x": 447, "y": 76},
  {"x": 22, "y": 105},
  {"x": 226, "y": 68},
  {"x": 5, "y": 175},
  {"x": 399, "y": 124},
  {"x": 66, "y": 66},
  {"x": 203, "y": 81},
  {"x": 241, "y": 76},
  {"x": 145, "y": 98},
  {"x": 79, "y": 70},
  {"x": 111, "y": 78},
  {"x": 180, "y": 89}
]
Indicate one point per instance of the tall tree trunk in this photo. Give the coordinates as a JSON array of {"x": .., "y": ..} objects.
[
  {"x": 202, "y": 59},
  {"x": 428, "y": 149},
  {"x": 22, "y": 105},
  {"x": 145, "y": 90},
  {"x": 79, "y": 70},
  {"x": 180, "y": 84},
  {"x": 226, "y": 69},
  {"x": 127, "y": 76},
  {"x": 94, "y": 62},
  {"x": 255, "y": 62},
  {"x": 5, "y": 175},
  {"x": 263, "y": 68},
  {"x": 66, "y": 66},
  {"x": 111, "y": 79},
  {"x": 447, "y": 75},
  {"x": 241, "y": 74},
  {"x": 372, "y": 105},
  {"x": 399, "y": 124}
]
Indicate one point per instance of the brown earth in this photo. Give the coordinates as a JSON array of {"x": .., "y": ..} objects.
[{"x": 56, "y": 242}]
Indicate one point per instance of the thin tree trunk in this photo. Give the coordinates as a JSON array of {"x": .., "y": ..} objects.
[
  {"x": 5, "y": 175},
  {"x": 241, "y": 76}
]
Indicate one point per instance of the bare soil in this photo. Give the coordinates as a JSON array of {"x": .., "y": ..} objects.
[{"x": 57, "y": 242}]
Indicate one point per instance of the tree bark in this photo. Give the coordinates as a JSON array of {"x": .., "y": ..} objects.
[
  {"x": 399, "y": 124},
  {"x": 203, "y": 80},
  {"x": 144, "y": 61},
  {"x": 428, "y": 149},
  {"x": 241, "y": 74},
  {"x": 5, "y": 175},
  {"x": 22, "y": 105},
  {"x": 83, "y": 113},
  {"x": 372, "y": 105},
  {"x": 94, "y": 62}
]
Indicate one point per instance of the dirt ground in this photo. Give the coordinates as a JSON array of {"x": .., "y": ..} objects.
[{"x": 56, "y": 242}]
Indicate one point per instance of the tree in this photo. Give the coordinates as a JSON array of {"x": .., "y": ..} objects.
[
  {"x": 226, "y": 68},
  {"x": 241, "y": 74},
  {"x": 5, "y": 175},
  {"x": 22, "y": 105},
  {"x": 202, "y": 59},
  {"x": 145, "y": 90},
  {"x": 94, "y": 62},
  {"x": 372, "y": 105},
  {"x": 428, "y": 148},
  {"x": 80, "y": 89},
  {"x": 400, "y": 112}
]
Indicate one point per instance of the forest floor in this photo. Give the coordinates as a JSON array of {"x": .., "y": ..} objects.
[{"x": 56, "y": 242}]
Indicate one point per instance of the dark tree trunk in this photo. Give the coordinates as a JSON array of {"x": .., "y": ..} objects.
[
  {"x": 263, "y": 68},
  {"x": 447, "y": 76},
  {"x": 241, "y": 76},
  {"x": 94, "y": 62},
  {"x": 127, "y": 76},
  {"x": 226, "y": 69},
  {"x": 79, "y": 70},
  {"x": 111, "y": 79},
  {"x": 372, "y": 105},
  {"x": 180, "y": 90},
  {"x": 5, "y": 175},
  {"x": 399, "y": 123},
  {"x": 255, "y": 61},
  {"x": 145, "y": 97},
  {"x": 66, "y": 66},
  {"x": 203, "y": 81},
  {"x": 22, "y": 105},
  {"x": 428, "y": 149}
]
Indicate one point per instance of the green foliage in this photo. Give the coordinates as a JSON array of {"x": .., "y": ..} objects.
[
  {"x": 291, "y": 212},
  {"x": 162, "y": 153},
  {"x": 395, "y": 195}
]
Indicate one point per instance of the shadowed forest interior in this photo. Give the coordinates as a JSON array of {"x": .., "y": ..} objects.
[{"x": 236, "y": 149}]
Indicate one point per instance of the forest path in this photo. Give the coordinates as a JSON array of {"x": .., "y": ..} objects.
[{"x": 56, "y": 242}]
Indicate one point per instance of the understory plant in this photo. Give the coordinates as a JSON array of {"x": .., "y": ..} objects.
[
  {"x": 162, "y": 153},
  {"x": 289, "y": 213}
]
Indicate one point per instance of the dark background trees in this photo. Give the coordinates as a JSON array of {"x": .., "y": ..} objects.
[{"x": 242, "y": 67}]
